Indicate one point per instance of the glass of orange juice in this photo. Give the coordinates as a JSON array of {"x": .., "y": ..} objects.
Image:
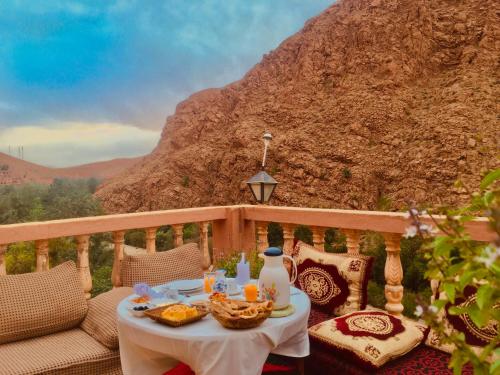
[
  {"x": 250, "y": 291},
  {"x": 208, "y": 281}
]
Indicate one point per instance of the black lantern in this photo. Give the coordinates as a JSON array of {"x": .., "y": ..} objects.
[{"x": 262, "y": 185}]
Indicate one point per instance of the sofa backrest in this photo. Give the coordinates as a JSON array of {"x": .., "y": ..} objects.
[
  {"x": 41, "y": 303},
  {"x": 183, "y": 262}
]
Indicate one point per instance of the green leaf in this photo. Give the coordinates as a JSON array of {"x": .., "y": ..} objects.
[
  {"x": 455, "y": 310},
  {"x": 440, "y": 303},
  {"x": 484, "y": 294},
  {"x": 465, "y": 279},
  {"x": 495, "y": 367},
  {"x": 450, "y": 291},
  {"x": 442, "y": 246},
  {"x": 479, "y": 317},
  {"x": 490, "y": 178}
]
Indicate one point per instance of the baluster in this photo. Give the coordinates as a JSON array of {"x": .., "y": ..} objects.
[
  {"x": 352, "y": 237},
  {"x": 288, "y": 237},
  {"x": 42, "y": 255},
  {"x": 82, "y": 263},
  {"x": 3, "y": 270},
  {"x": 150, "y": 240},
  {"x": 178, "y": 229},
  {"x": 434, "y": 288},
  {"x": 204, "y": 244},
  {"x": 393, "y": 274},
  {"x": 118, "y": 240},
  {"x": 262, "y": 243},
  {"x": 319, "y": 237}
]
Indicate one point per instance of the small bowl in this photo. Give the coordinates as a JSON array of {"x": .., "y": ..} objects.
[{"x": 138, "y": 313}]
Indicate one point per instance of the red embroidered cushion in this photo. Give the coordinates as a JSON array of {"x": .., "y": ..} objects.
[
  {"x": 474, "y": 335},
  {"x": 368, "y": 338},
  {"x": 323, "y": 283},
  {"x": 353, "y": 268}
]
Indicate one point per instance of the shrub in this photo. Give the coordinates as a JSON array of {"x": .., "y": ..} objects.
[{"x": 346, "y": 173}]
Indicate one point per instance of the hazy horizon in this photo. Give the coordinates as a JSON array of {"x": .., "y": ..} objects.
[{"x": 84, "y": 82}]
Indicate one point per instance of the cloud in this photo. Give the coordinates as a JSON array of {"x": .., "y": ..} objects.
[
  {"x": 128, "y": 61},
  {"x": 68, "y": 144}
]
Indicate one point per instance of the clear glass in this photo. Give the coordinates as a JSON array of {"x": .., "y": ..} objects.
[{"x": 208, "y": 281}]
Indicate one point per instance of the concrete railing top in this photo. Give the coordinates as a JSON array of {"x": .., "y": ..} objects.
[{"x": 389, "y": 222}]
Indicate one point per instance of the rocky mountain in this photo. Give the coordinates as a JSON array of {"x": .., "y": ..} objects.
[
  {"x": 372, "y": 103},
  {"x": 15, "y": 171}
]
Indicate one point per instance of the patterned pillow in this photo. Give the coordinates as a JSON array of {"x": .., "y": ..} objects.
[
  {"x": 355, "y": 269},
  {"x": 41, "y": 303},
  {"x": 369, "y": 338},
  {"x": 100, "y": 322},
  {"x": 183, "y": 262},
  {"x": 474, "y": 336},
  {"x": 323, "y": 283}
]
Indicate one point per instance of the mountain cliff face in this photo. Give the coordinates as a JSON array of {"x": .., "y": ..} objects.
[{"x": 371, "y": 104}]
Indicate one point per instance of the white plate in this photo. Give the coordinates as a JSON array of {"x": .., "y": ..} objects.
[{"x": 185, "y": 285}]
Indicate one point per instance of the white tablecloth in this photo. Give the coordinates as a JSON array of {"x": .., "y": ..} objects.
[{"x": 149, "y": 348}]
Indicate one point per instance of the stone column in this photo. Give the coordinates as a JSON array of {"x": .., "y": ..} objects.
[
  {"x": 393, "y": 274},
  {"x": 178, "y": 231},
  {"x": 150, "y": 240},
  {"x": 118, "y": 240},
  {"x": 319, "y": 237},
  {"x": 42, "y": 255},
  {"x": 352, "y": 240},
  {"x": 262, "y": 243},
  {"x": 288, "y": 237},
  {"x": 204, "y": 244},
  {"x": 82, "y": 263},
  {"x": 3, "y": 270}
]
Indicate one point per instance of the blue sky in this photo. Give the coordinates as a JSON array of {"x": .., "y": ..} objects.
[{"x": 82, "y": 81}]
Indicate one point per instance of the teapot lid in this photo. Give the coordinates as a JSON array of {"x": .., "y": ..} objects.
[{"x": 273, "y": 252}]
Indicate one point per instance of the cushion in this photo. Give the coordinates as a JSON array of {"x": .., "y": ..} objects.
[
  {"x": 183, "y": 262},
  {"x": 369, "y": 338},
  {"x": 329, "y": 274},
  {"x": 36, "y": 304},
  {"x": 323, "y": 283},
  {"x": 71, "y": 352},
  {"x": 100, "y": 322},
  {"x": 474, "y": 336}
]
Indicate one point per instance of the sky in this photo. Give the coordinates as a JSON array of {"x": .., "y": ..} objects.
[{"x": 84, "y": 81}]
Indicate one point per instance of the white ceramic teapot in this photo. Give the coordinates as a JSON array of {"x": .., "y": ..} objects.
[{"x": 274, "y": 281}]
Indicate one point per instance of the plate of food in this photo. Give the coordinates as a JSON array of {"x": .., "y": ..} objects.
[
  {"x": 237, "y": 314},
  {"x": 177, "y": 315}
]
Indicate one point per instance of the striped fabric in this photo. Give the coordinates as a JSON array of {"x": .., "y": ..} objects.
[
  {"x": 100, "y": 322},
  {"x": 71, "y": 352},
  {"x": 183, "y": 262},
  {"x": 35, "y": 304}
]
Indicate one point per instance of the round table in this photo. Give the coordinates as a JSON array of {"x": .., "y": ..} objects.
[{"x": 147, "y": 347}]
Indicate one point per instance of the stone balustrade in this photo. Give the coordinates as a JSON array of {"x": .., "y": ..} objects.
[{"x": 234, "y": 228}]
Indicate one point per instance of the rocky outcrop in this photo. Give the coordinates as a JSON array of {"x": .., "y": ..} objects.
[{"x": 371, "y": 104}]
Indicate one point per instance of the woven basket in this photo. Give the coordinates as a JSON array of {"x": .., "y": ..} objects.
[
  {"x": 237, "y": 322},
  {"x": 155, "y": 314}
]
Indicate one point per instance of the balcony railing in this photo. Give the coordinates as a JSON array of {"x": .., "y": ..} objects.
[{"x": 234, "y": 228}]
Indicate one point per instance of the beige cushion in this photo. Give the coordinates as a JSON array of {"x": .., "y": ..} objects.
[
  {"x": 183, "y": 262},
  {"x": 100, "y": 322},
  {"x": 353, "y": 268},
  {"x": 369, "y": 338},
  {"x": 35, "y": 304},
  {"x": 72, "y": 352}
]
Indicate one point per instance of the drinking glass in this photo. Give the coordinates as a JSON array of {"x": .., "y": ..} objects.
[{"x": 208, "y": 281}]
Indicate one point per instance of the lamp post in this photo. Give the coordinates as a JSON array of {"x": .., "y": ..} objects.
[{"x": 262, "y": 185}]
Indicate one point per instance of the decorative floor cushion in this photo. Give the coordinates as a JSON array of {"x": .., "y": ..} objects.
[
  {"x": 474, "y": 336},
  {"x": 369, "y": 338},
  {"x": 100, "y": 322},
  {"x": 41, "y": 303},
  {"x": 183, "y": 262},
  {"x": 327, "y": 275}
]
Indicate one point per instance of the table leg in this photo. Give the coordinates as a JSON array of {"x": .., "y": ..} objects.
[{"x": 300, "y": 365}]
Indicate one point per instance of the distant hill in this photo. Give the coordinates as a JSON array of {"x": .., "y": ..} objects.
[
  {"x": 372, "y": 103},
  {"x": 17, "y": 171}
]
